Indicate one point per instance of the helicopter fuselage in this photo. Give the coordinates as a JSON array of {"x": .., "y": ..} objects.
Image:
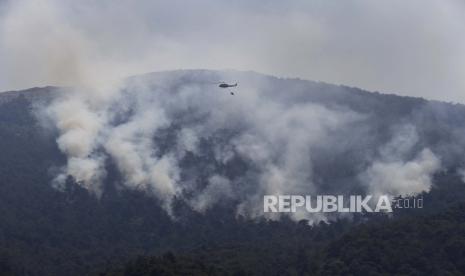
[{"x": 225, "y": 85}]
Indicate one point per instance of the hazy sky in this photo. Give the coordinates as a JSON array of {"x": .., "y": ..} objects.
[{"x": 405, "y": 47}]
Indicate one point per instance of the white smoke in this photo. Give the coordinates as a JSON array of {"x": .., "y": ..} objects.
[
  {"x": 219, "y": 188},
  {"x": 79, "y": 128},
  {"x": 273, "y": 136},
  {"x": 280, "y": 142},
  {"x": 41, "y": 47},
  {"x": 462, "y": 174},
  {"x": 45, "y": 45},
  {"x": 131, "y": 146},
  {"x": 391, "y": 175}
]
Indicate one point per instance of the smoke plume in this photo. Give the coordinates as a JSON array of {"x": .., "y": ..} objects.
[{"x": 176, "y": 135}]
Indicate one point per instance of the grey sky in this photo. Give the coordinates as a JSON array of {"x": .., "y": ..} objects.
[{"x": 405, "y": 47}]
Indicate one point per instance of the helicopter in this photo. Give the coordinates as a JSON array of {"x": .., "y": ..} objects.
[{"x": 225, "y": 85}]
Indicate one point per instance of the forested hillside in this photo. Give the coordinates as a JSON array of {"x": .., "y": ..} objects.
[{"x": 45, "y": 230}]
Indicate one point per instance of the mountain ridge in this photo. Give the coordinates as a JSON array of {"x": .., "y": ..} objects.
[{"x": 40, "y": 89}]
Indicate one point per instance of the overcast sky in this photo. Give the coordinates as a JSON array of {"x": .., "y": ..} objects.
[{"x": 397, "y": 46}]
